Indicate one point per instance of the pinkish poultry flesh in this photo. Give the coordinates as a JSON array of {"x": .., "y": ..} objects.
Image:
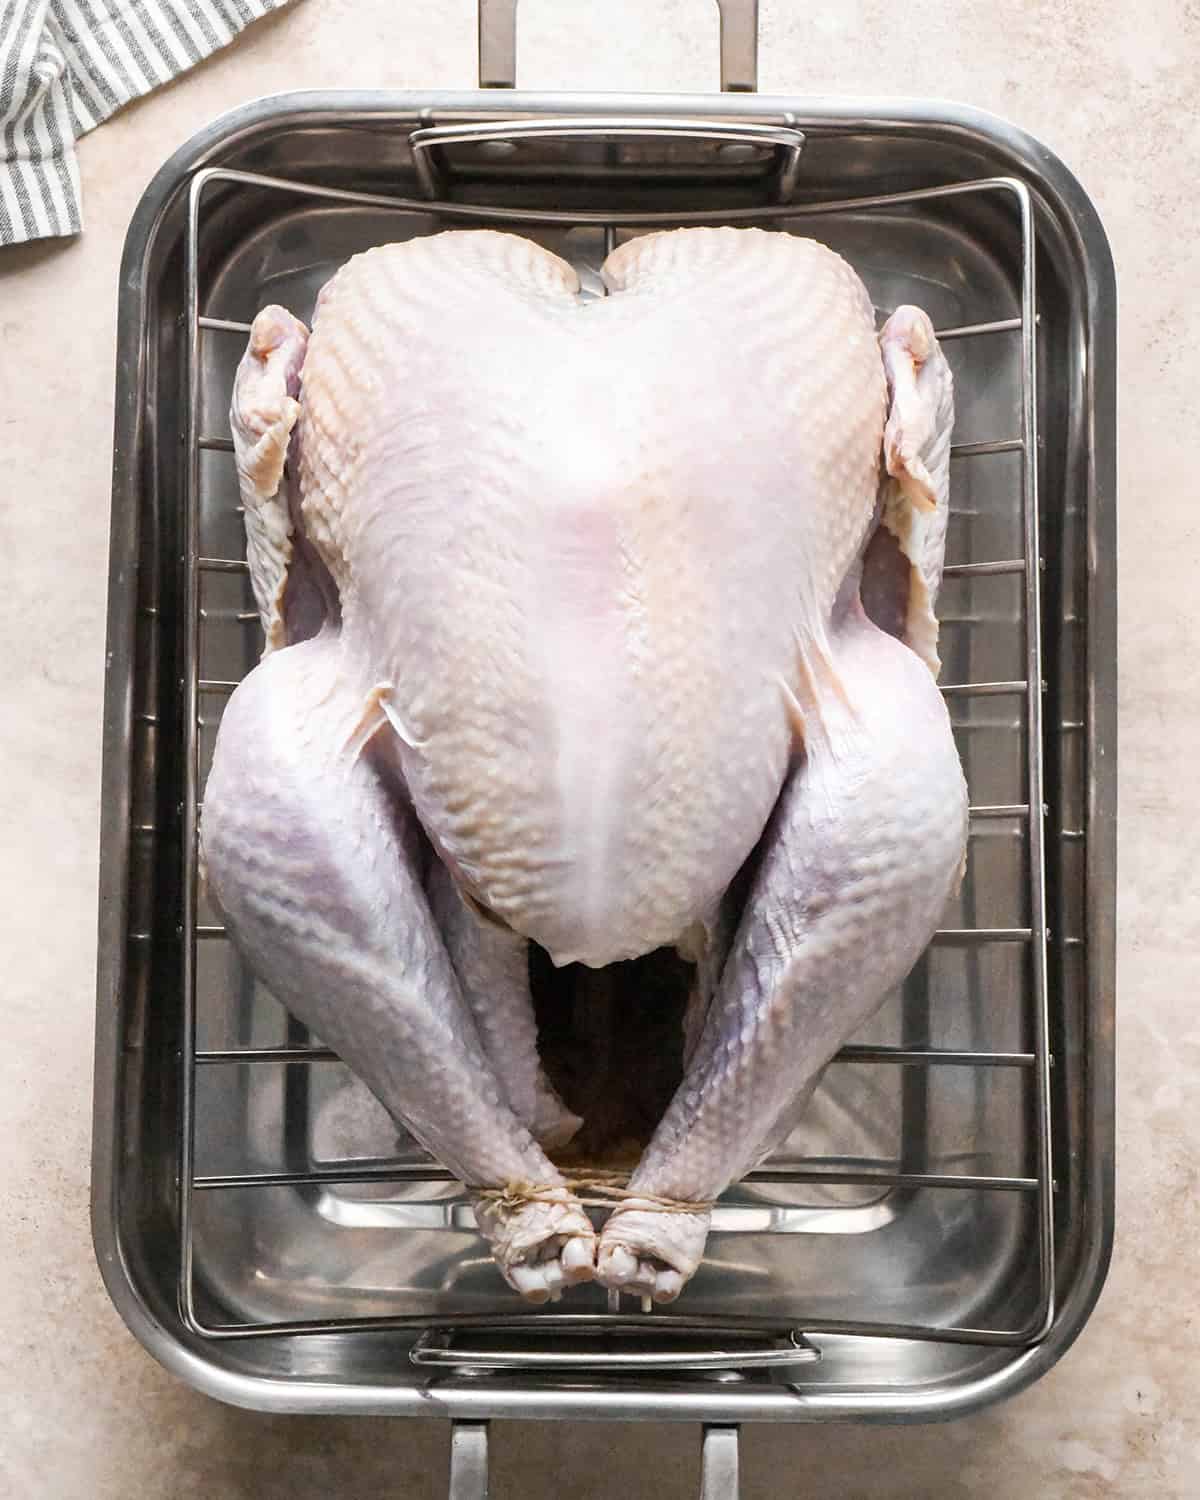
[{"x": 592, "y": 598}]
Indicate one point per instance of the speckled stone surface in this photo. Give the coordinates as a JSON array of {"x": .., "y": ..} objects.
[{"x": 83, "y": 1411}]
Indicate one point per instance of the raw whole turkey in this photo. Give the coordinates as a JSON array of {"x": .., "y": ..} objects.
[{"x": 602, "y": 624}]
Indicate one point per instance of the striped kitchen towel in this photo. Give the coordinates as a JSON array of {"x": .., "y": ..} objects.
[{"x": 65, "y": 66}]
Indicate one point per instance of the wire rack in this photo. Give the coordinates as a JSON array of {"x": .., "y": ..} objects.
[{"x": 200, "y": 689}]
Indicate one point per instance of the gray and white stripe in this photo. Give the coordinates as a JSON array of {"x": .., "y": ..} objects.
[{"x": 65, "y": 66}]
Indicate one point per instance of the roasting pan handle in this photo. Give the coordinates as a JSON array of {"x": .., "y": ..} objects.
[
  {"x": 788, "y": 141},
  {"x": 739, "y": 45},
  {"x": 437, "y": 1347},
  {"x": 469, "y": 1462}
]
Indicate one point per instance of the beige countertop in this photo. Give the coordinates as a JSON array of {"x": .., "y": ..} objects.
[{"x": 83, "y": 1411}]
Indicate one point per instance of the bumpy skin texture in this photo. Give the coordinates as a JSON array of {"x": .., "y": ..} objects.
[
  {"x": 313, "y": 859},
  {"x": 584, "y": 545},
  {"x": 492, "y": 965},
  {"x": 589, "y": 578},
  {"x": 914, "y": 508},
  {"x": 263, "y": 414},
  {"x": 866, "y": 847},
  {"x": 863, "y": 853}
]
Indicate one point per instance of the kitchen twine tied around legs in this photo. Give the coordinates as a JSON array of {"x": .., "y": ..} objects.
[{"x": 597, "y": 1189}]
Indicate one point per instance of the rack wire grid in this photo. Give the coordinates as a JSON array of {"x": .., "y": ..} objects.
[{"x": 200, "y": 690}]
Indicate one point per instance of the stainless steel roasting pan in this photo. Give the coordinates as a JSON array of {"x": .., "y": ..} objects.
[{"x": 938, "y": 1235}]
